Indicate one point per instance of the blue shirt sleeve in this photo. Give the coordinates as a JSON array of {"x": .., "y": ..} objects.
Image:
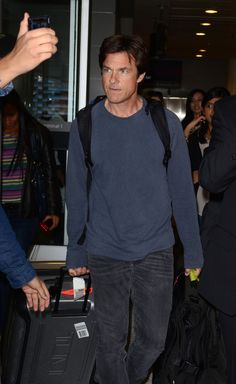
[
  {"x": 7, "y": 89},
  {"x": 13, "y": 261},
  {"x": 76, "y": 200},
  {"x": 182, "y": 195}
]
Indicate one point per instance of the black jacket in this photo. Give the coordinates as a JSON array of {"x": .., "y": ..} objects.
[
  {"x": 41, "y": 193},
  {"x": 218, "y": 176},
  {"x": 194, "y": 151}
]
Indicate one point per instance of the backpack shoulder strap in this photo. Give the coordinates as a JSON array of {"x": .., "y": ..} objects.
[
  {"x": 84, "y": 123},
  {"x": 159, "y": 118}
]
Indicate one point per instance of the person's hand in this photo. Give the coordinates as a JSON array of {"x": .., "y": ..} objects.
[
  {"x": 54, "y": 219},
  {"x": 191, "y": 127},
  {"x": 31, "y": 48},
  {"x": 78, "y": 271},
  {"x": 37, "y": 294},
  {"x": 197, "y": 271}
]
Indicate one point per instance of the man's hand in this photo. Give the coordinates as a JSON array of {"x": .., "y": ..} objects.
[
  {"x": 78, "y": 271},
  {"x": 37, "y": 294},
  {"x": 31, "y": 49},
  {"x": 197, "y": 271}
]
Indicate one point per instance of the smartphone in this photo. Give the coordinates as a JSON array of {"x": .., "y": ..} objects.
[
  {"x": 39, "y": 22},
  {"x": 46, "y": 225}
]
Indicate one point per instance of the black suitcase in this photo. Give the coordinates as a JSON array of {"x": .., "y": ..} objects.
[{"x": 53, "y": 347}]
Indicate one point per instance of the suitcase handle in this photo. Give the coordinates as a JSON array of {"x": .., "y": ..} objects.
[{"x": 63, "y": 272}]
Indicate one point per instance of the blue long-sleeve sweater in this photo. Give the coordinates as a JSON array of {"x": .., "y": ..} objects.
[{"x": 132, "y": 197}]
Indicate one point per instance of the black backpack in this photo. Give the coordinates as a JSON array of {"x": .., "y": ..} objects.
[
  {"x": 194, "y": 351},
  {"x": 153, "y": 107}
]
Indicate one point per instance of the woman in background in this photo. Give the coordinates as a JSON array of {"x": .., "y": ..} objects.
[
  {"x": 199, "y": 140},
  {"x": 29, "y": 189},
  {"x": 193, "y": 117}
]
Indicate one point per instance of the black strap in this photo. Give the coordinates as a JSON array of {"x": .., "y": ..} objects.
[
  {"x": 84, "y": 121},
  {"x": 159, "y": 118}
]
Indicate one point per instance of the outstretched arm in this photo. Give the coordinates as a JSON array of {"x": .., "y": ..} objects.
[{"x": 18, "y": 269}]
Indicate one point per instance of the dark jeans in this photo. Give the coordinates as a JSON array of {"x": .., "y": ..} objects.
[
  {"x": 25, "y": 229},
  {"x": 148, "y": 283}
]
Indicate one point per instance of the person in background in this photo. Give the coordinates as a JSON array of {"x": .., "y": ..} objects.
[
  {"x": 218, "y": 175},
  {"x": 29, "y": 188},
  {"x": 199, "y": 140},
  {"x": 30, "y": 193},
  {"x": 129, "y": 239},
  {"x": 156, "y": 95},
  {"x": 31, "y": 49},
  {"x": 193, "y": 117}
]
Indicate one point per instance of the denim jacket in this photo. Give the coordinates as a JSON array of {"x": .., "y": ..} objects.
[{"x": 13, "y": 261}]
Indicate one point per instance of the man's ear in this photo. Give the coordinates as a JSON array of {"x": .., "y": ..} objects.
[{"x": 141, "y": 77}]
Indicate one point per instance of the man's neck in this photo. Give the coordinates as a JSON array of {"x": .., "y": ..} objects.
[{"x": 126, "y": 108}]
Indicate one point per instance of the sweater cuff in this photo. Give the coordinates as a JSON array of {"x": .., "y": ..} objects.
[
  {"x": 18, "y": 278},
  {"x": 76, "y": 258}
]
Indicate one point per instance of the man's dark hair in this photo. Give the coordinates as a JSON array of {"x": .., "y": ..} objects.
[{"x": 133, "y": 45}]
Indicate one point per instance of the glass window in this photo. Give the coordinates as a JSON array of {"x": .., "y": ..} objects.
[
  {"x": 49, "y": 92},
  {"x": 44, "y": 90}
]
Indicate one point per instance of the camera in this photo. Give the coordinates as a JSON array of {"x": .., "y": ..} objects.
[
  {"x": 45, "y": 226},
  {"x": 39, "y": 22}
]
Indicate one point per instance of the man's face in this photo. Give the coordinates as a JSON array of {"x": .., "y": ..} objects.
[{"x": 120, "y": 78}]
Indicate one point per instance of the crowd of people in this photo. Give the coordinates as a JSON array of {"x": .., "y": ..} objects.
[{"x": 120, "y": 225}]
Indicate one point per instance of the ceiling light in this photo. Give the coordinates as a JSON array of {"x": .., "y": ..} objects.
[
  {"x": 202, "y": 50},
  {"x": 200, "y": 33},
  {"x": 198, "y": 55},
  {"x": 211, "y": 11},
  {"x": 206, "y": 24}
]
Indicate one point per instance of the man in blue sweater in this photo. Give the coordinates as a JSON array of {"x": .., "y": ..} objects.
[{"x": 129, "y": 236}]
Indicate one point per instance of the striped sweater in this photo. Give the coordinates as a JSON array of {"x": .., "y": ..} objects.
[{"x": 12, "y": 176}]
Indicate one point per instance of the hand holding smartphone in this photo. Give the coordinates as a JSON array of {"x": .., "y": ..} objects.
[
  {"x": 45, "y": 226},
  {"x": 39, "y": 22}
]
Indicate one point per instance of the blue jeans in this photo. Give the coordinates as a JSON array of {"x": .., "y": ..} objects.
[
  {"x": 148, "y": 283},
  {"x": 25, "y": 228}
]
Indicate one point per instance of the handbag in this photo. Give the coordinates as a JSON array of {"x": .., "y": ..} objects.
[{"x": 194, "y": 350}]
